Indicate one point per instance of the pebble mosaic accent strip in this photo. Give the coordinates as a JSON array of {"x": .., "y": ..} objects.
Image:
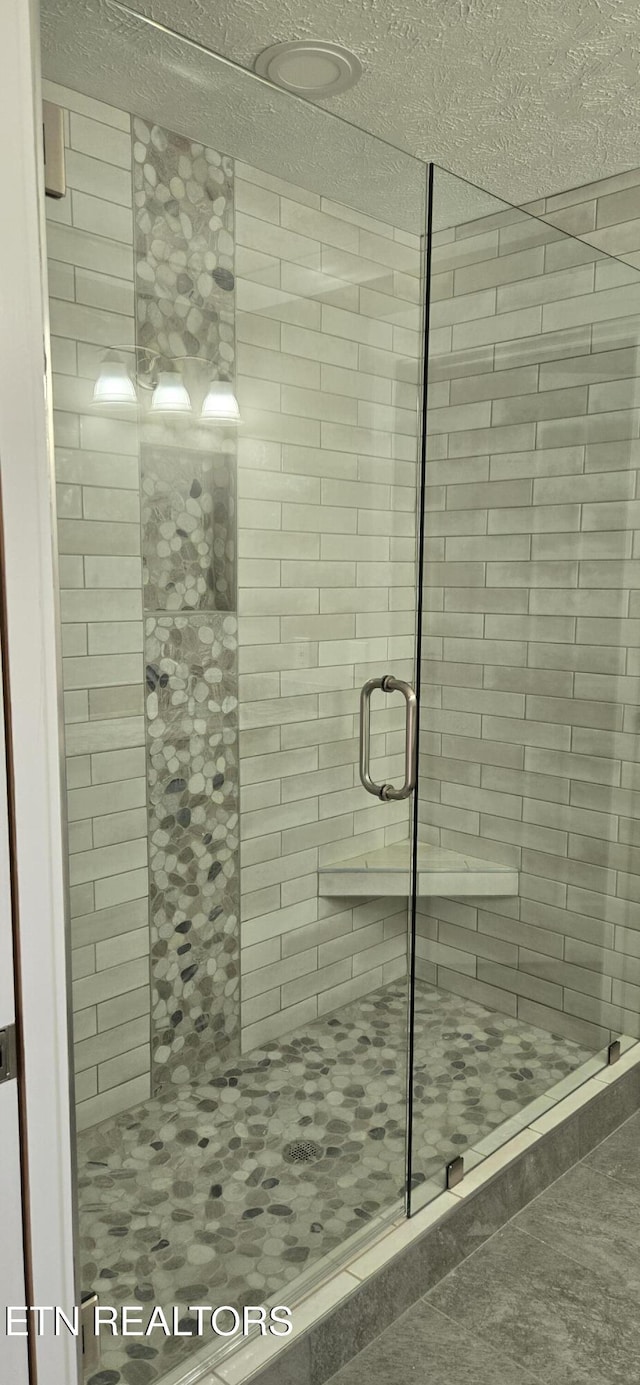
[
  {"x": 192, "y": 769},
  {"x": 190, "y": 1199},
  {"x": 183, "y": 196},
  {"x": 188, "y": 519},
  {"x": 185, "y": 307}
]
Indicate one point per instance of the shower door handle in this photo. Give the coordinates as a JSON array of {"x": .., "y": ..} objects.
[{"x": 388, "y": 683}]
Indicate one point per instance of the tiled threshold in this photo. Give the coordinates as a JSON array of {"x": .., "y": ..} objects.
[{"x": 368, "y": 1288}]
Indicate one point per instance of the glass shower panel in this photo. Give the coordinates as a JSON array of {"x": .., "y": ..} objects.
[
  {"x": 526, "y": 964},
  {"x": 236, "y": 288}
]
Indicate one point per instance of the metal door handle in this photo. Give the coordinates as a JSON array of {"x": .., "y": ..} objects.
[{"x": 389, "y": 684}]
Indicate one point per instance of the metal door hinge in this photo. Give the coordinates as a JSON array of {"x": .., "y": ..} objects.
[
  {"x": 8, "y": 1063},
  {"x": 55, "y": 183},
  {"x": 455, "y": 1172},
  {"x": 613, "y": 1051},
  {"x": 90, "y": 1342}
]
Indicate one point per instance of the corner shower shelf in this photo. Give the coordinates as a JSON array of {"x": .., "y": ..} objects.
[{"x": 440, "y": 872}]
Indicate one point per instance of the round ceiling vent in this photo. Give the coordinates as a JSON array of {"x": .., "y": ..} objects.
[{"x": 309, "y": 67}]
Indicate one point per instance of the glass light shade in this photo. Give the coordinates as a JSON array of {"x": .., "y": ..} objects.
[
  {"x": 114, "y": 384},
  {"x": 170, "y": 395},
  {"x": 220, "y": 404}
]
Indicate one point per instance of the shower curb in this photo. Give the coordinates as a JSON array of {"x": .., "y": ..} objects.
[{"x": 334, "y": 1339}]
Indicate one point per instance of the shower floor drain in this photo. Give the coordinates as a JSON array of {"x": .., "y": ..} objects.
[{"x": 302, "y": 1152}]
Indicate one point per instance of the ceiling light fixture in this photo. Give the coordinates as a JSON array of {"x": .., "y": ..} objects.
[{"x": 309, "y": 67}]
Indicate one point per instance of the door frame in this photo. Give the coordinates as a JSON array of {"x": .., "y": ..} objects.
[
  {"x": 13, "y": 1263},
  {"x": 26, "y": 453}
]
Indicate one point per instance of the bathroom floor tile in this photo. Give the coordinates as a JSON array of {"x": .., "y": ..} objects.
[
  {"x": 618, "y": 1157},
  {"x": 552, "y": 1315},
  {"x": 426, "y": 1347},
  {"x": 593, "y": 1219}
]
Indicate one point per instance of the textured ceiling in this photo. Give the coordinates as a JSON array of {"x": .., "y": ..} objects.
[
  {"x": 96, "y": 48},
  {"x": 526, "y": 97}
]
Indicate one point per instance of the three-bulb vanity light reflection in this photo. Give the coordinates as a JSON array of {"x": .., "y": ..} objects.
[
  {"x": 114, "y": 384},
  {"x": 169, "y": 395}
]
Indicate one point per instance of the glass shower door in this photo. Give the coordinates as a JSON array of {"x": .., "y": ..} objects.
[
  {"x": 526, "y": 962},
  {"x": 237, "y": 345}
]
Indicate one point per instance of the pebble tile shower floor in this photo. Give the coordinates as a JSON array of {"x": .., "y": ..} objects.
[{"x": 188, "y": 1198}]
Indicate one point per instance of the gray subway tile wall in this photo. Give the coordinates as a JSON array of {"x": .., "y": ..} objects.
[
  {"x": 121, "y": 973},
  {"x": 327, "y": 327},
  {"x": 532, "y": 744},
  {"x": 529, "y": 753},
  {"x": 327, "y": 314},
  {"x": 90, "y": 245}
]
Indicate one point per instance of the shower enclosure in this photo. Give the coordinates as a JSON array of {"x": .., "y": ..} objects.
[{"x": 346, "y": 463}]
